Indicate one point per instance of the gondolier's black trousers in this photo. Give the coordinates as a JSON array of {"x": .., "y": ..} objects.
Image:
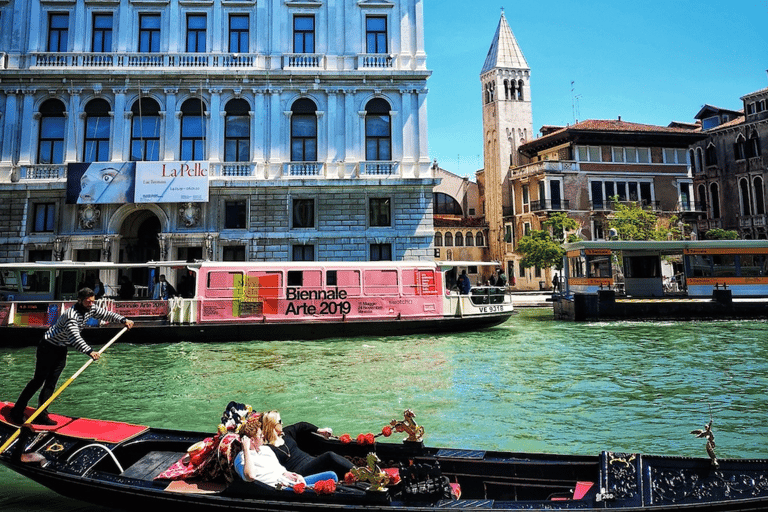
[{"x": 50, "y": 362}]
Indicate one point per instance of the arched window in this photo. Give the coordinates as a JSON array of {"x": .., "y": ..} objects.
[
  {"x": 520, "y": 84},
  {"x": 192, "y": 130},
  {"x": 714, "y": 198},
  {"x": 145, "y": 130},
  {"x": 469, "y": 240},
  {"x": 711, "y": 155},
  {"x": 50, "y": 142},
  {"x": 237, "y": 131},
  {"x": 759, "y": 196},
  {"x": 479, "y": 240},
  {"x": 740, "y": 147},
  {"x": 753, "y": 146},
  {"x": 378, "y": 130},
  {"x": 304, "y": 131},
  {"x": 699, "y": 160},
  {"x": 701, "y": 194},
  {"x": 446, "y": 205},
  {"x": 744, "y": 193},
  {"x": 97, "y": 127},
  {"x": 448, "y": 239},
  {"x": 458, "y": 240},
  {"x": 438, "y": 239}
]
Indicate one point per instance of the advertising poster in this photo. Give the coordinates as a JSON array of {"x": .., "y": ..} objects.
[
  {"x": 171, "y": 182},
  {"x": 100, "y": 182}
]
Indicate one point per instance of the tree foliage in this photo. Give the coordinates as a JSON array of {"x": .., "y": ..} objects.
[
  {"x": 632, "y": 222},
  {"x": 721, "y": 234},
  {"x": 543, "y": 248}
]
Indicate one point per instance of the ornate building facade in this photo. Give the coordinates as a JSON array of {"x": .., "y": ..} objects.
[
  {"x": 583, "y": 169},
  {"x": 730, "y": 168},
  {"x": 137, "y": 130}
]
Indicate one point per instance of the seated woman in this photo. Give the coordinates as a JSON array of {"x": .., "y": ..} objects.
[
  {"x": 259, "y": 463},
  {"x": 285, "y": 443}
]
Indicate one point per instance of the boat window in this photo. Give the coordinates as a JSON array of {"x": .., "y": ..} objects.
[
  {"x": 599, "y": 266},
  {"x": 724, "y": 265},
  {"x": 381, "y": 282},
  {"x": 8, "y": 281},
  {"x": 752, "y": 265},
  {"x": 576, "y": 267},
  {"x": 349, "y": 281},
  {"x": 642, "y": 267},
  {"x": 419, "y": 282},
  {"x": 263, "y": 285},
  {"x": 68, "y": 283},
  {"x": 223, "y": 284},
  {"x": 700, "y": 265},
  {"x": 36, "y": 280},
  {"x": 295, "y": 278}
]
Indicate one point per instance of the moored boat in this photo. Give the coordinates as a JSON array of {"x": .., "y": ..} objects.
[
  {"x": 252, "y": 301},
  {"x": 118, "y": 464}
]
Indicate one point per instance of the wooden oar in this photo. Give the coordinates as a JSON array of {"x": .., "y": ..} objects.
[{"x": 58, "y": 392}]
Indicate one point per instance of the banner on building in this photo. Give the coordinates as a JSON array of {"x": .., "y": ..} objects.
[
  {"x": 171, "y": 182},
  {"x": 101, "y": 182}
]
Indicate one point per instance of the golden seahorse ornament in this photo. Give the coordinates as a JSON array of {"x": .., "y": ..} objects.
[
  {"x": 372, "y": 474},
  {"x": 409, "y": 426}
]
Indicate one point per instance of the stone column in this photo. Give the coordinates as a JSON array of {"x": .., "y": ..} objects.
[
  {"x": 172, "y": 140},
  {"x": 119, "y": 142},
  {"x": 72, "y": 133}
]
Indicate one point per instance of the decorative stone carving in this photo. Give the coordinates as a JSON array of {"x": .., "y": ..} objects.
[
  {"x": 189, "y": 214},
  {"x": 89, "y": 216}
]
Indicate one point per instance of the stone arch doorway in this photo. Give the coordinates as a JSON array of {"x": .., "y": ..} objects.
[
  {"x": 138, "y": 235},
  {"x": 139, "y": 244}
]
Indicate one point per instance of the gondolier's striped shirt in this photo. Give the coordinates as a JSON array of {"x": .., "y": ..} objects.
[{"x": 66, "y": 331}]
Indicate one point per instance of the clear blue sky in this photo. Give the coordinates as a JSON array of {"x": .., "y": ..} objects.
[{"x": 649, "y": 62}]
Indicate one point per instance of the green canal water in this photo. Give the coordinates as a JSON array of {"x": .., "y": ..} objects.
[{"x": 532, "y": 384}]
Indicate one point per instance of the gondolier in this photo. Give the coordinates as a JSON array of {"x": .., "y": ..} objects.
[{"x": 52, "y": 351}]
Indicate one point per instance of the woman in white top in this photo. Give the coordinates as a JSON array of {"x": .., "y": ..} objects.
[{"x": 259, "y": 463}]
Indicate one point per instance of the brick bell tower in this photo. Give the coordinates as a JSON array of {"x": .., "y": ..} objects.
[{"x": 507, "y": 123}]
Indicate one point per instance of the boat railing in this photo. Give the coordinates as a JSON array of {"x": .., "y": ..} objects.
[
  {"x": 477, "y": 301},
  {"x": 182, "y": 310}
]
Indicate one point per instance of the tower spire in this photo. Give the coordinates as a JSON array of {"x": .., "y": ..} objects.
[{"x": 504, "y": 51}]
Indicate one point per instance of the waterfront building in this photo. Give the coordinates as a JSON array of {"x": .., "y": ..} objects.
[
  {"x": 580, "y": 169},
  {"x": 461, "y": 230},
  {"x": 221, "y": 129},
  {"x": 731, "y": 168}
]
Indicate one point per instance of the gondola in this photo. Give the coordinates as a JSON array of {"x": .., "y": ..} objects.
[{"x": 118, "y": 464}]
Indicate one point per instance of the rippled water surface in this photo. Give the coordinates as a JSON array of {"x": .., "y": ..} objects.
[{"x": 532, "y": 384}]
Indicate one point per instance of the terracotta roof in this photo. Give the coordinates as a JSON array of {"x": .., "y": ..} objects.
[
  {"x": 601, "y": 128},
  {"x": 733, "y": 122},
  {"x": 617, "y": 125}
]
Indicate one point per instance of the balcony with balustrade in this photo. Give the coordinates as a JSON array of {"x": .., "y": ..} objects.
[
  {"x": 543, "y": 167},
  {"x": 550, "y": 205},
  {"x": 211, "y": 61},
  {"x": 248, "y": 170},
  {"x": 609, "y": 206}
]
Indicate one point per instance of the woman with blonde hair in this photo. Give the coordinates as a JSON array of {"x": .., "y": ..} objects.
[
  {"x": 285, "y": 443},
  {"x": 259, "y": 463}
]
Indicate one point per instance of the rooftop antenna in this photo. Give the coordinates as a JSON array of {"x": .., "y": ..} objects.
[{"x": 575, "y": 103}]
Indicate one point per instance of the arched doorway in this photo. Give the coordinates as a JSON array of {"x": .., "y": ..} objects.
[
  {"x": 138, "y": 234},
  {"x": 139, "y": 244}
]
